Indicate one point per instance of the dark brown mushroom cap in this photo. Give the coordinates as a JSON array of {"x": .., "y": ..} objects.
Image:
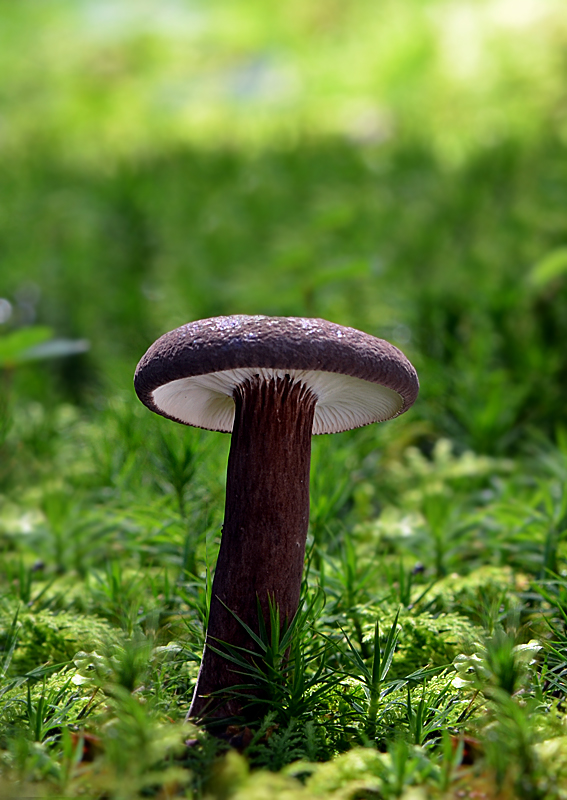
[{"x": 289, "y": 345}]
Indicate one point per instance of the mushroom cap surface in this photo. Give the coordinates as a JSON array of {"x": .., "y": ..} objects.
[{"x": 189, "y": 374}]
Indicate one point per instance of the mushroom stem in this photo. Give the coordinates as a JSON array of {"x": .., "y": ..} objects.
[{"x": 265, "y": 526}]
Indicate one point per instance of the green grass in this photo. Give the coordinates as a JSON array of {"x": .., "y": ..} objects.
[{"x": 429, "y": 658}]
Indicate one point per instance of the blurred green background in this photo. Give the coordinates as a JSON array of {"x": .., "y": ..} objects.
[{"x": 399, "y": 166}]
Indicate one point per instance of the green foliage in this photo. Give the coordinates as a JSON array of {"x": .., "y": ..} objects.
[
  {"x": 287, "y": 676},
  {"x": 14, "y": 346},
  {"x": 400, "y": 169},
  {"x": 373, "y": 676},
  {"x": 369, "y": 666},
  {"x": 35, "y": 638}
]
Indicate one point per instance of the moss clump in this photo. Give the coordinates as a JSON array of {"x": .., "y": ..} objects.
[
  {"x": 477, "y": 594},
  {"x": 362, "y": 772},
  {"x": 44, "y": 636},
  {"x": 425, "y": 640}
]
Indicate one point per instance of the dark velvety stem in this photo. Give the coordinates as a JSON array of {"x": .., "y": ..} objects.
[{"x": 265, "y": 526}]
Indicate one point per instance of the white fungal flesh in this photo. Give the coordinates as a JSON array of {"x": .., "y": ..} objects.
[{"x": 343, "y": 402}]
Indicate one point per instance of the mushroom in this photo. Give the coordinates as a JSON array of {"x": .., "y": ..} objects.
[{"x": 272, "y": 382}]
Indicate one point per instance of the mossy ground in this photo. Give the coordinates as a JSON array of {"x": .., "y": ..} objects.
[{"x": 402, "y": 171}]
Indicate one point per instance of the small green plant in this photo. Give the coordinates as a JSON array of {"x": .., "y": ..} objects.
[
  {"x": 284, "y": 674},
  {"x": 373, "y": 677}
]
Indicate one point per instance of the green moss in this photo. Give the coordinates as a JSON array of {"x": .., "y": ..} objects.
[
  {"x": 425, "y": 640},
  {"x": 362, "y": 772},
  {"x": 349, "y": 775},
  {"x": 474, "y": 594},
  {"x": 45, "y": 637},
  {"x": 358, "y": 770}
]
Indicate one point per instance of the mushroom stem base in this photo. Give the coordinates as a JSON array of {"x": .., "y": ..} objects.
[{"x": 265, "y": 527}]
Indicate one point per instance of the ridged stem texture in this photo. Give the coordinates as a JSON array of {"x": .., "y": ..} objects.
[{"x": 265, "y": 527}]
